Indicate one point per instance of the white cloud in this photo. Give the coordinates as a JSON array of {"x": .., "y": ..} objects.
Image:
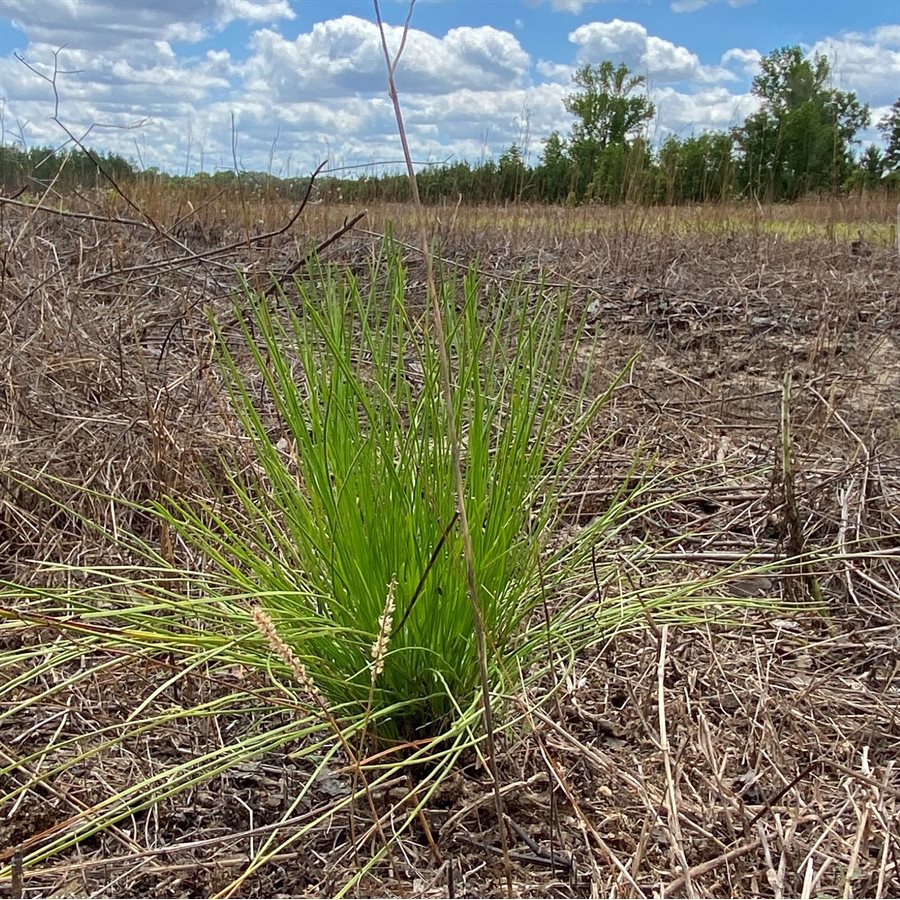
[
  {"x": 681, "y": 6},
  {"x": 867, "y": 64},
  {"x": 228, "y": 11},
  {"x": 689, "y": 6},
  {"x": 342, "y": 56},
  {"x": 106, "y": 24},
  {"x": 666, "y": 61},
  {"x": 714, "y": 108},
  {"x": 153, "y": 75},
  {"x": 570, "y": 6},
  {"x": 324, "y": 93},
  {"x": 889, "y": 35},
  {"x": 555, "y": 72},
  {"x": 747, "y": 61},
  {"x": 660, "y": 60},
  {"x": 576, "y": 7}
]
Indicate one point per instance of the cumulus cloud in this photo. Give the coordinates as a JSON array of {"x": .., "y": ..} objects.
[
  {"x": 119, "y": 65},
  {"x": 101, "y": 24},
  {"x": 889, "y": 35},
  {"x": 660, "y": 60},
  {"x": 324, "y": 92},
  {"x": 154, "y": 75},
  {"x": 746, "y": 61},
  {"x": 710, "y": 109},
  {"x": 555, "y": 72},
  {"x": 866, "y": 63},
  {"x": 344, "y": 55},
  {"x": 573, "y": 6},
  {"x": 228, "y": 11}
]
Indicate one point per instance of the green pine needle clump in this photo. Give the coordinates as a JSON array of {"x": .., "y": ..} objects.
[
  {"x": 356, "y": 493},
  {"x": 316, "y": 601}
]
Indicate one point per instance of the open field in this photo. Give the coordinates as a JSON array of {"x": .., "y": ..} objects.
[{"x": 752, "y": 753}]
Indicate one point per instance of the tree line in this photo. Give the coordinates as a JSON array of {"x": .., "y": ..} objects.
[{"x": 802, "y": 140}]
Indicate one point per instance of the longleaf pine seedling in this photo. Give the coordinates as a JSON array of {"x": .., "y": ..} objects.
[
  {"x": 313, "y": 604},
  {"x": 358, "y": 494}
]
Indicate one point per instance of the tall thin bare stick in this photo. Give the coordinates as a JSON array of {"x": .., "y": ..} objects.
[{"x": 453, "y": 435}]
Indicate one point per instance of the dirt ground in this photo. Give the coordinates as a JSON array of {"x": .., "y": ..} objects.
[{"x": 776, "y": 743}]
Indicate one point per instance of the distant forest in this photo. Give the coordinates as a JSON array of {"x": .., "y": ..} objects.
[{"x": 803, "y": 140}]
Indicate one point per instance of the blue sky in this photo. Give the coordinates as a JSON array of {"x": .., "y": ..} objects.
[{"x": 304, "y": 78}]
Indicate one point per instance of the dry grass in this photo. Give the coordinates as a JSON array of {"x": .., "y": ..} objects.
[{"x": 716, "y": 761}]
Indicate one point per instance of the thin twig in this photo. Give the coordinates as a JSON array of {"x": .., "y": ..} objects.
[
  {"x": 672, "y": 795},
  {"x": 708, "y": 866},
  {"x": 453, "y": 435}
]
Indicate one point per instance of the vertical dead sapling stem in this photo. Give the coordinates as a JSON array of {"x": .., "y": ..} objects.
[
  {"x": 453, "y": 435},
  {"x": 795, "y": 537}
]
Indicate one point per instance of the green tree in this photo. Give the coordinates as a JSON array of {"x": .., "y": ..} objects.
[
  {"x": 553, "y": 174},
  {"x": 869, "y": 171},
  {"x": 668, "y": 170},
  {"x": 889, "y": 126},
  {"x": 704, "y": 168},
  {"x": 801, "y": 138},
  {"x": 696, "y": 170},
  {"x": 788, "y": 79},
  {"x": 609, "y": 181},
  {"x": 623, "y": 173},
  {"x": 511, "y": 173},
  {"x": 608, "y": 113}
]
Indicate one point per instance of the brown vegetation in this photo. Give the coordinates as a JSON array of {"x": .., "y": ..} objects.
[{"x": 774, "y": 744}]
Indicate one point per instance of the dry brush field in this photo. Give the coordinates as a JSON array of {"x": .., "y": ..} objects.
[{"x": 749, "y": 754}]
